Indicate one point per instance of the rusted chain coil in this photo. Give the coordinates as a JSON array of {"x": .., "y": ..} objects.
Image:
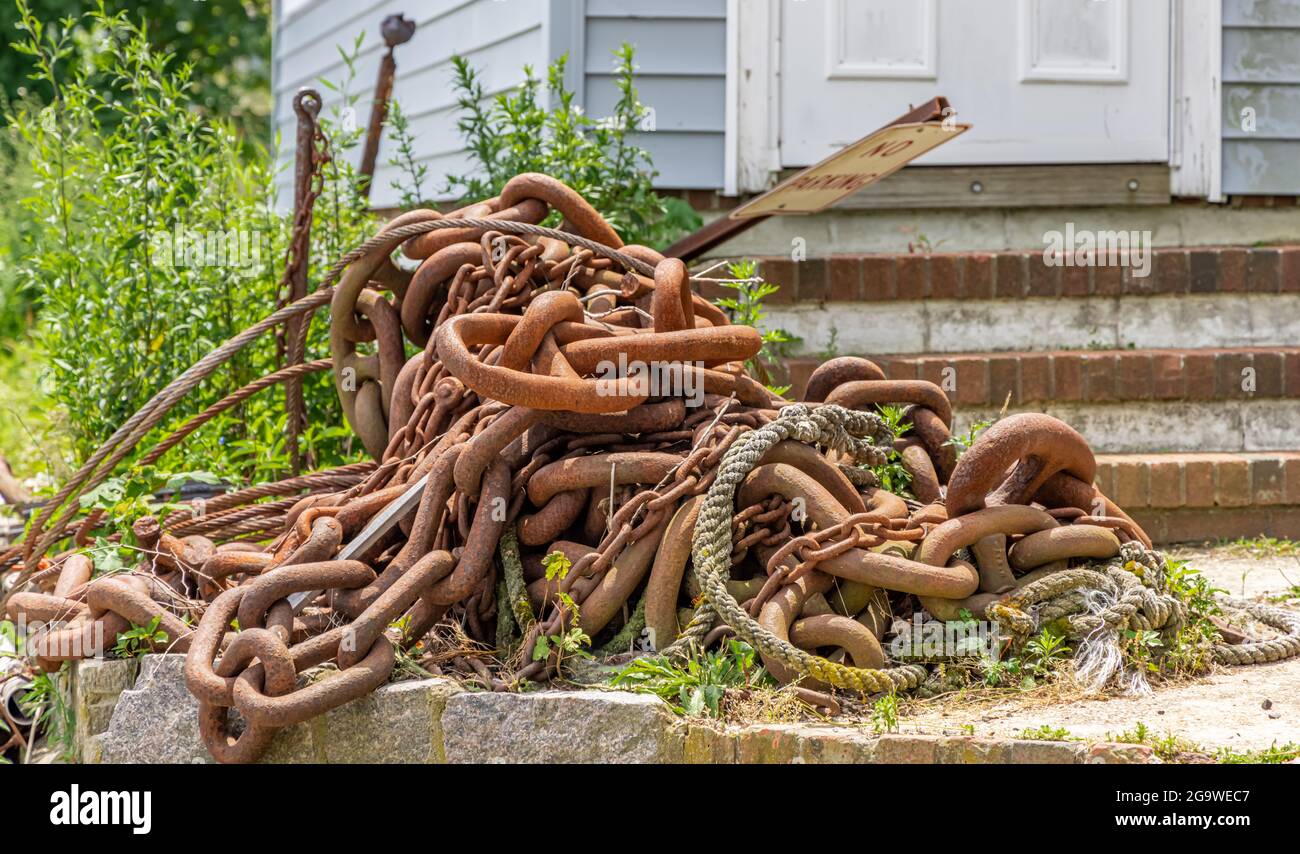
[{"x": 526, "y": 417}]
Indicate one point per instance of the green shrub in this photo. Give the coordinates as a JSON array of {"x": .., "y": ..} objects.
[
  {"x": 228, "y": 42},
  {"x": 517, "y": 132},
  {"x": 155, "y": 238},
  {"x": 17, "y": 301},
  {"x": 127, "y": 182}
]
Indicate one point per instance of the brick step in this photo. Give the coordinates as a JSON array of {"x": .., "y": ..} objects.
[
  {"x": 1206, "y": 496},
  {"x": 1094, "y": 376},
  {"x": 1128, "y": 401},
  {"x": 893, "y": 277},
  {"x": 954, "y": 302},
  {"x": 956, "y": 326}
]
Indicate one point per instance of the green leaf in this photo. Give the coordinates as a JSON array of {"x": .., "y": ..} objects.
[{"x": 541, "y": 648}]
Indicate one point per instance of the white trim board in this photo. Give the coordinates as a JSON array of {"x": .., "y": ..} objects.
[{"x": 1196, "y": 149}]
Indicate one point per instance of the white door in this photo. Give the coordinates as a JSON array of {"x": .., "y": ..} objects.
[{"x": 1042, "y": 81}]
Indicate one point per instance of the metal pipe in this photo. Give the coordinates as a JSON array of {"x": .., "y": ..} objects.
[{"x": 396, "y": 29}]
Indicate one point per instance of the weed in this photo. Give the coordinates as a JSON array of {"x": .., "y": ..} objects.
[
  {"x": 47, "y": 703},
  {"x": 1168, "y": 747},
  {"x": 1046, "y": 732},
  {"x": 746, "y": 309},
  {"x": 1045, "y": 652},
  {"x": 699, "y": 685},
  {"x": 517, "y": 132},
  {"x": 1038, "y": 660},
  {"x": 1260, "y": 546},
  {"x": 963, "y": 441},
  {"x": 1141, "y": 647},
  {"x": 999, "y": 672},
  {"x": 1188, "y": 650},
  {"x": 404, "y": 160},
  {"x": 138, "y": 640},
  {"x": 884, "y": 714},
  {"x": 571, "y": 641},
  {"x": 1292, "y": 592},
  {"x": 408, "y": 663},
  {"x": 154, "y": 237},
  {"x": 892, "y": 475},
  {"x": 832, "y": 348},
  {"x": 1271, "y": 755}
]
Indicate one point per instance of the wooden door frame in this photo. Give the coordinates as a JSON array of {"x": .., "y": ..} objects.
[
  {"x": 753, "y": 135},
  {"x": 1196, "y": 100}
]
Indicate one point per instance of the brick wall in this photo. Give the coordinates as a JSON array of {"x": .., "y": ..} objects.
[
  {"x": 1098, "y": 376},
  {"x": 1015, "y": 275}
]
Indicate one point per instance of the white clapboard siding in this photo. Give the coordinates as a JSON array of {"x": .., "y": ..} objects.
[
  {"x": 1261, "y": 97},
  {"x": 681, "y": 75},
  {"x": 497, "y": 36}
]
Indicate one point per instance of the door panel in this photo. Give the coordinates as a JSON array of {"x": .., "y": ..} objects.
[{"x": 1042, "y": 81}]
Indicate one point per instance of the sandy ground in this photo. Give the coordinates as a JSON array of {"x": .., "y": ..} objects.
[{"x": 1226, "y": 709}]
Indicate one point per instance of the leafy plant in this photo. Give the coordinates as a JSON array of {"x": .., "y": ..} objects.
[
  {"x": 34, "y": 433},
  {"x": 408, "y": 661},
  {"x": 142, "y": 491},
  {"x": 1140, "y": 734},
  {"x": 1292, "y": 592},
  {"x": 1044, "y": 652},
  {"x": 135, "y": 197},
  {"x": 155, "y": 237},
  {"x": 1141, "y": 648},
  {"x": 516, "y": 132},
  {"x": 227, "y": 42},
  {"x": 746, "y": 309},
  {"x": 404, "y": 160},
  {"x": 17, "y": 297},
  {"x": 571, "y": 641},
  {"x": 963, "y": 441},
  {"x": 1188, "y": 649},
  {"x": 1274, "y": 754},
  {"x": 884, "y": 714},
  {"x": 1023, "y": 666},
  {"x": 892, "y": 475},
  {"x": 997, "y": 671},
  {"x": 138, "y": 640},
  {"x": 1261, "y": 546},
  {"x": 125, "y": 499},
  {"x": 111, "y": 558},
  {"x": 1047, "y": 732},
  {"x": 832, "y": 348},
  {"x": 1167, "y": 747},
  {"x": 923, "y": 245},
  {"x": 48, "y": 705},
  {"x": 699, "y": 685}
]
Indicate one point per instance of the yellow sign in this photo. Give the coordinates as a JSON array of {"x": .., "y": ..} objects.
[{"x": 863, "y": 163}]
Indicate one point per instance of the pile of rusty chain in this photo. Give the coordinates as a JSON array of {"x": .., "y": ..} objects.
[{"x": 527, "y": 391}]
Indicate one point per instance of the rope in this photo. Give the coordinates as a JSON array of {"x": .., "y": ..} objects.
[
  {"x": 860, "y": 435},
  {"x": 1262, "y": 652},
  {"x": 230, "y": 400},
  {"x": 1114, "y": 599}
]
